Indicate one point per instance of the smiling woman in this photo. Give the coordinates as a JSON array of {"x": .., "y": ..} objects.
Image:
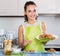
[
  {"x": 31, "y": 28},
  {"x": 30, "y": 11}
]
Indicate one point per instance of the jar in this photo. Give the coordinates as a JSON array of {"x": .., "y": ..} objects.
[{"x": 9, "y": 35}]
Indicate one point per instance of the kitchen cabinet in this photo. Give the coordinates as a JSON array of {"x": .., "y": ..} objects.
[
  {"x": 16, "y": 7},
  {"x": 57, "y": 2},
  {"x": 47, "y": 6},
  {"x": 21, "y": 7},
  {"x": 44, "y": 6},
  {"x": 8, "y": 7}
]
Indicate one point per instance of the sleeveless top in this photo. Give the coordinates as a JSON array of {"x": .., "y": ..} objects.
[{"x": 30, "y": 33}]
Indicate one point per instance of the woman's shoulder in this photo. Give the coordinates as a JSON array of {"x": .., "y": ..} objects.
[
  {"x": 23, "y": 25},
  {"x": 20, "y": 28}
]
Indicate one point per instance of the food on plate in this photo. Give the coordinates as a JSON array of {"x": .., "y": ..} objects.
[
  {"x": 51, "y": 50},
  {"x": 48, "y": 36}
]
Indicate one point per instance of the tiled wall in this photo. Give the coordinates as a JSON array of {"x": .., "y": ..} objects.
[{"x": 12, "y": 23}]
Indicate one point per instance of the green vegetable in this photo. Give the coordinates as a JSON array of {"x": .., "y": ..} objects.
[
  {"x": 18, "y": 54},
  {"x": 44, "y": 39}
]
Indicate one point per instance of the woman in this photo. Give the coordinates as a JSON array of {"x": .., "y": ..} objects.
[{"x": 28, "y": 32}]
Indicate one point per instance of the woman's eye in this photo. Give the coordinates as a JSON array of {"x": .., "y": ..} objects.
[
  {"x": 34, "y": 10},
  {"x": 29, "y": 11}
]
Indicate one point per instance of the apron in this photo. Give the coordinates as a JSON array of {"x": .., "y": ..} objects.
[{"x": 31, "y": 32}]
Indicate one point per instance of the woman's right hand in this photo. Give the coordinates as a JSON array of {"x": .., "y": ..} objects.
[{"x": 26, "y": 42}]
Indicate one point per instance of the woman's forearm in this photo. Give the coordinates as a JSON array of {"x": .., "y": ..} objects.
[
  {"x": 21, "y": 41},
  {"x": 20, "y": 36}
]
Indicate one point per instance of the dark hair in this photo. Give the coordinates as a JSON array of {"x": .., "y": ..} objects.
[{"x": 27, "y": 4}]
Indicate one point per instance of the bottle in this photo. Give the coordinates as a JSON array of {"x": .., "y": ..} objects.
[{"x": 7, "y": 47}]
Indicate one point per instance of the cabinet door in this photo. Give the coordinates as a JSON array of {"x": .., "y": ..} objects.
[
  {"x": 57, "y": 2},
  {"x": 47, "y": 6},
  {"x": 21, "y": 7},
  {"x": 8, "y": 7}
]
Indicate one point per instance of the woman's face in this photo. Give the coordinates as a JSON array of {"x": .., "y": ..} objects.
[{"x": 31, "y": 12}]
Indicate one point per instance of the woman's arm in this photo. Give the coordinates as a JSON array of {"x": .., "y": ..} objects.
[
  {"x": 43, "y": 26},
  {"x": 20, "y": 36},
  {"x": 44, "y": 30},
  {"x": 21, "y": 40}
]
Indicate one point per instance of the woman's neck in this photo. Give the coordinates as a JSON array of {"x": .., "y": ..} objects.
[{"x": 31, "y": 21}]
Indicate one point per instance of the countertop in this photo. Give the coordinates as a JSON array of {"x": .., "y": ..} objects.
[
  {"x": 33, "y": 53},
  {"x": 1, "y": 52}
]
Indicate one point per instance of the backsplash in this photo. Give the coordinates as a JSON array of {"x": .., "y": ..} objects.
[{"x": 11, "y": 24}]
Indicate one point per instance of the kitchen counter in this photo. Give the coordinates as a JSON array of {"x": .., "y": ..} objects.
[{"x": 32, "y": 53}]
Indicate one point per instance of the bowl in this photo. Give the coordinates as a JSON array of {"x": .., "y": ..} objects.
[{"x": 16, "y": 50}]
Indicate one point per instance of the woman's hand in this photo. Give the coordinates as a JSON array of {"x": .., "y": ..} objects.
[{"x": 26, "y": 42}]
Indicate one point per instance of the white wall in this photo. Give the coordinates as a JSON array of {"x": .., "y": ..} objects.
[
  {"x": 53, "y": 26},
  {"x": 12, "y": 24}
]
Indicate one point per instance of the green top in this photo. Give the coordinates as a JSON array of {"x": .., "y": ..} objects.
[{"x": 31, "y": 32}]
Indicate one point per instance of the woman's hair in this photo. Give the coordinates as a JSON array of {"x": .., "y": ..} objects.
[{"x": 25, "y": 7}]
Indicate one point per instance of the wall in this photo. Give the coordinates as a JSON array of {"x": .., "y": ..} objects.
[
  {"x": 52, "y": 23},
  {"x": 12, "y": 23}
]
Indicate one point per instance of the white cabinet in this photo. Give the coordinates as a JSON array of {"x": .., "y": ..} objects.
[
  {"x": 20, "y": 7},
  {"x": 16, "y": 7},
  {"x": 57, "y": 2},
  {"x": 8, "y": 7},
  {"x": 47, "y": 6},
  {"x": 44, "y": 6}
]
